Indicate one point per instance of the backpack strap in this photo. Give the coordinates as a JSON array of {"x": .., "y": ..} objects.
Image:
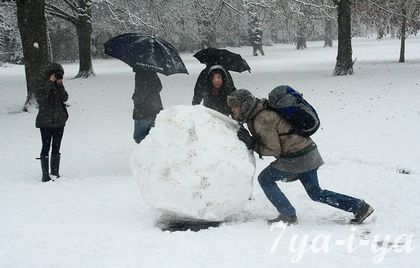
[{"x": 268, "y": 107}]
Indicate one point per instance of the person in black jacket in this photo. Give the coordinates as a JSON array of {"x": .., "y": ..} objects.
[
  {"x": 213, "y": 86},
  {"x": 147, "y": 102},
  {"x": 51, "y": 119}
]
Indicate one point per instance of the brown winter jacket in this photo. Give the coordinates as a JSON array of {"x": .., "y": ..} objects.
[{"x": 294, "y": 153}]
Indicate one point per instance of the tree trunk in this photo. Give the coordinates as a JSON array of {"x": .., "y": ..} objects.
[
  {"x": 84, "y": 35},
  {"x": 300, "y": 42},
  {"x": 328, "y": 38},
  {"x": 380, "y": 32},
  {"x": 344, "y": 64},
  {"x": 33, "y": 31},
  {"x": 301, "y": 39},
  {"x": 403, "y": 32}
]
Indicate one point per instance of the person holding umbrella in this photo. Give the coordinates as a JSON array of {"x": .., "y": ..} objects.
[
  {"x": 147, "y": 102},
  {"x": 215, "y": 83},
  {"x": 214, "y": 88},
  {"x": 147, "y": 55}
]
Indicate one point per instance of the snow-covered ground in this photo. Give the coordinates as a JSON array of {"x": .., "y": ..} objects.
[{"x": 94, "y": 216}]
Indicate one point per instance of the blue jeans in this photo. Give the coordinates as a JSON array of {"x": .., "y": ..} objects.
[
  {"x": 142, "y": 128},
  {"x": 309, "y": 180}
]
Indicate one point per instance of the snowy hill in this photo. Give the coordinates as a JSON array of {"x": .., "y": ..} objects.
[{"x": 94, "y": 216}]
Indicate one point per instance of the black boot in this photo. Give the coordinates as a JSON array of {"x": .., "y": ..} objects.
[
  {"x": 45, "y": 169},
  {"x": 364, "y": 211},
  {"x": 55, "y": 165},
  {"x": 283, "y": 218}
]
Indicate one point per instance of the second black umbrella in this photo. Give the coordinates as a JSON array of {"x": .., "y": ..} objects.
[{"x": 231, "y": 61}]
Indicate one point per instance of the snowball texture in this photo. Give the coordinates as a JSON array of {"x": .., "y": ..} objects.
[{"x": 192, "y": 166}]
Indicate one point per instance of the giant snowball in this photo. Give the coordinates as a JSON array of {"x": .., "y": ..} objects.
[{"x": 192, "y": 166}]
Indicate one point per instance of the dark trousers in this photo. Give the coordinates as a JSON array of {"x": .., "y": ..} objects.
[
  {"x": 48, "y": 134},
  {"x": 309, "y": 180},
  {"x": 255, "y": 48}
]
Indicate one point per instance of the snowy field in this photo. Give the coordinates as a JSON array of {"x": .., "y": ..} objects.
[{"x": 94, "y": 216}]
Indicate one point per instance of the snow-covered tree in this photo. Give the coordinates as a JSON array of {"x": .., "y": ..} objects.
[
  {"x": 63, "y": 39},
  {"x": 171, "y": 20},
  {"x": 79, "y": 13},
  {"x": 10, "y": 44},
  {"x": 301, "y": 18},
  {"x": 214, "y": 19},
  {"x": 403, "y": 14}
]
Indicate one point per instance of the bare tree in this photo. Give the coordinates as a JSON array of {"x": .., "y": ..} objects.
[
  {"x": 344, "y": 63},
  {"x": 212, "y": 18},
  {"x": 405, "y": 15},
  {"x": 384, "y": 15},
  {"x": 304, "y": 15}
]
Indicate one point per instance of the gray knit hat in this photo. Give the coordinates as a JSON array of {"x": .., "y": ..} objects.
[{"x": 245, "y": 100}]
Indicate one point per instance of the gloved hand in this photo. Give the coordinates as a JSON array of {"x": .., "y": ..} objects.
[{"x": 244, "y": 136}]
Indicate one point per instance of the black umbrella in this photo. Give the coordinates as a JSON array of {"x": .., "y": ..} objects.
[
  {"x": 231, "y": 61},
  {"x": 147, "y": 52}
]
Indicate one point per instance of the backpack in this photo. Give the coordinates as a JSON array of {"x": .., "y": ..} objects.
[{"x": 291, "y": 105}]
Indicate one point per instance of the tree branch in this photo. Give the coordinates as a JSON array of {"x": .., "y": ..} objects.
[
  {"x": 131, "y": 17},
  {"x": 392, "y": 12},
  {"x": 73, "y": 5},
  {"x": 322, "y": 8},
  {"x": 58, "y": 12},
  {"x": 231, "y": 7}
]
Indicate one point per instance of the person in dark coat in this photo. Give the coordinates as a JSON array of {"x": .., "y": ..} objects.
[
  {"x": 297, "y": 158},
  {"x": 147, "y": 102},
  {"x": 255, "y": 35},
  {"x": 257, "y": 45},
  {"x": 213, "y": 86},
  {"x": 51, "y": 119}
]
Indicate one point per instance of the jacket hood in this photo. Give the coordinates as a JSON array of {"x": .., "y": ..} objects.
[
  {"x": 259, "y": 105},
  {"x": 246, "y": 102},
  {"x": 225, "y": 76},
  {"x": 217, "y": 67},
  {"x": 55, "y": 68}
]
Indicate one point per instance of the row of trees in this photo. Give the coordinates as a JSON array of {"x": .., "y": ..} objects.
[
  {"x": 49, "y": 29},
  {"x": 387, "y": 15}
]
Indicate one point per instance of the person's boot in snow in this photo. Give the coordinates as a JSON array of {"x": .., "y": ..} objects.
[
  {"x": 45, "y": 168},
  {"x": 55, "y": 165},
  {"x": 364, "y": 212},
  {"x": 283, "y": 218}
]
